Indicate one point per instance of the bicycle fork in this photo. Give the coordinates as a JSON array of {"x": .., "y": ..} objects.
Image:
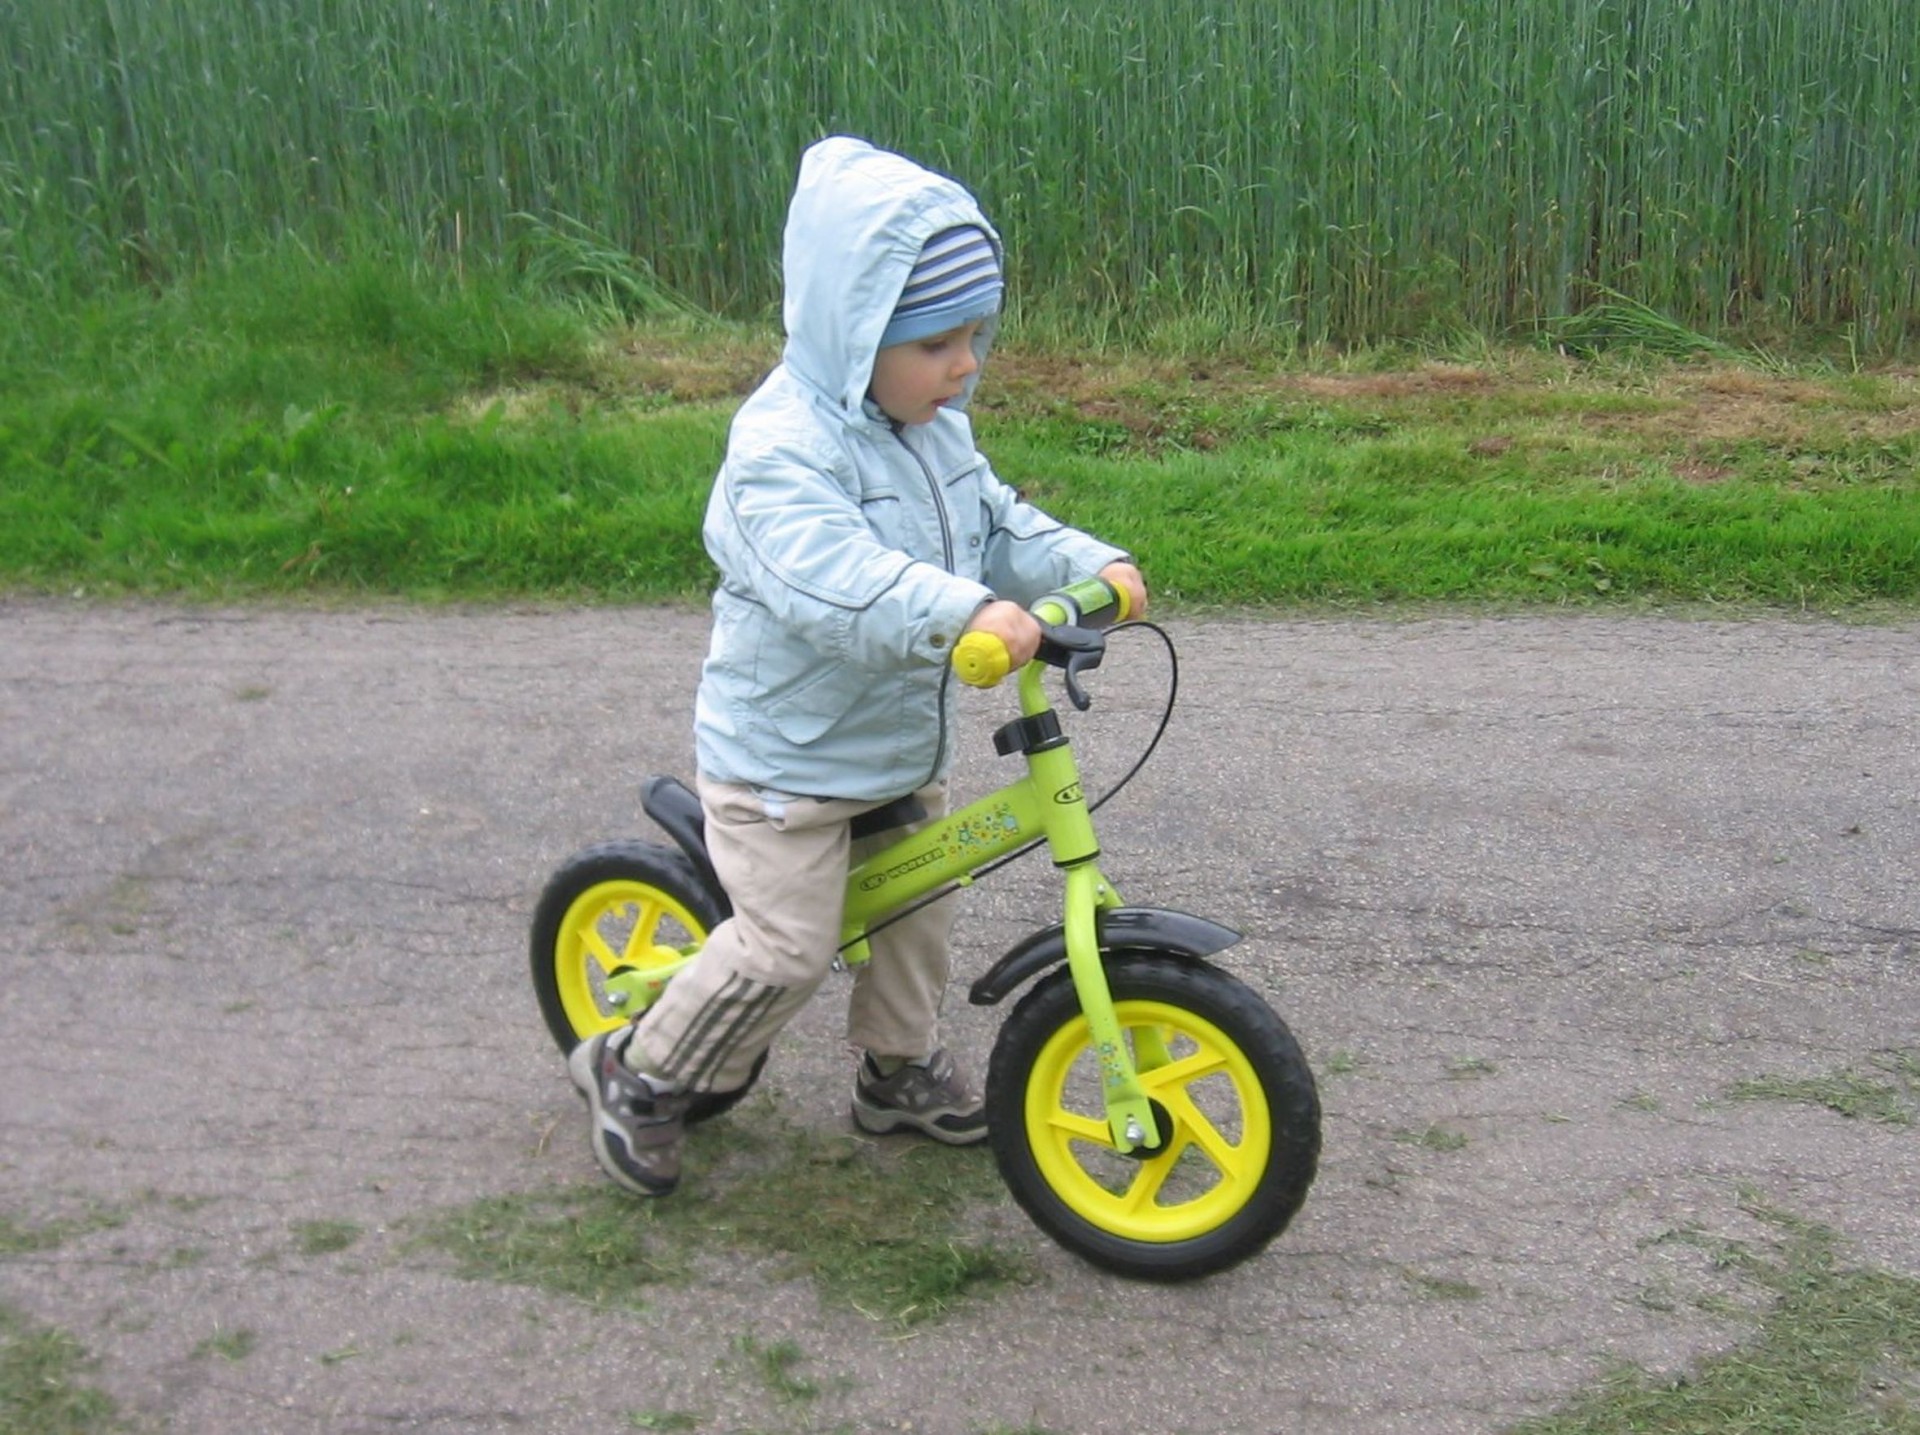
[
  {"x": 1130, "y": 1116},
  {"x": 1075, "y": 849}
]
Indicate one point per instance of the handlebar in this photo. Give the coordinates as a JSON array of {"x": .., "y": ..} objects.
[{"x": 1070, "y": 621}]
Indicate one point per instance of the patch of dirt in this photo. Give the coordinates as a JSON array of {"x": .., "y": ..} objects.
[{"x": 1679, "y": 407}]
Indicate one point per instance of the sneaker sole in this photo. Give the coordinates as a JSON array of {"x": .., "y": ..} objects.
[
  {"x": 580, "y": 1064},
  {"x": 884, "y": 1120}
]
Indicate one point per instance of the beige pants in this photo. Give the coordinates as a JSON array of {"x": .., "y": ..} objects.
[{"x": 784, "y": 864}]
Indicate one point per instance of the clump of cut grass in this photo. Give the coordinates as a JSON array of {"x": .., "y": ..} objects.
[
  {"x": 778, "y": 1367},
  {"x": 880, "y": 1229},
  {"x": 1848, "y": 1092},
  {"x": 323, "y": 1237},
  {"x": 592, "y": 1243},
  {"x": 879, "y": 1226},
  {"x": 227, "y": 1344},
  {"x": 1433, "y": 1137},
  {"x": 562, "y": 256},
  {"x": 1342, "y": 1062},
  {"x": 43, "y": 1389},
  {"x": 1442, "y": 1287},
  {"x": 1620, "y": 322},
  {"x": 663, "y": 1420},
  {"x": 21, "y": 1237},
  {"x": 1830, "y": 1355}
]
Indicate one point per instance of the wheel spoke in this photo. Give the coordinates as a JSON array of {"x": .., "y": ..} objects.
[
  {"x": 1143, "y": 1193},
  {"x": 1175, "y": 1076},
  {"x": 597, "y": 947},
  {"x": 646, "y": 921},
  {"x": 1074, "y": 1127},
  {"x": 1200, "y": 1131}
]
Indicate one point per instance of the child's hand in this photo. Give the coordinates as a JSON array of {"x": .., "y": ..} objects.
[
  {"x": 1012, "y": 625},
  {"x": 1127, "y": 579}
]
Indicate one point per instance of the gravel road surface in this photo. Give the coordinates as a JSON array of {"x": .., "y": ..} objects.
[{"x": 1536, "y": 893}]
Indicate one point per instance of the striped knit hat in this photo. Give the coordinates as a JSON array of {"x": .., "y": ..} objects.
[{"x": 955, "y": 280}]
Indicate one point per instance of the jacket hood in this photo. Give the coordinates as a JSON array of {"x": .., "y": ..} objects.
[{"x": 857, "y": 223}]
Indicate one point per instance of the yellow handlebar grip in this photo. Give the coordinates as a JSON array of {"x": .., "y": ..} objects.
[{"x": 981, "y": 659}]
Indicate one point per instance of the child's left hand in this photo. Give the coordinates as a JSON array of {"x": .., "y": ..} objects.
[{"x": 1127, "y": 579}]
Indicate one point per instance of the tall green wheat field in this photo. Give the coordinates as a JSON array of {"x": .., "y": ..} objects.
[{"x": 1340, "y": 168}]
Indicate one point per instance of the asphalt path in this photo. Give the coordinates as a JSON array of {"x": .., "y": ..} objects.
[{"x": 1536, "y": 893}]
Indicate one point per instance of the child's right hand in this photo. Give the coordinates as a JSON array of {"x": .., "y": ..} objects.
[{"x": 1012, "y": 625}]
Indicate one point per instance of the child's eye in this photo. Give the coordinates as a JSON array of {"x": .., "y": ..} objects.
[{"x": 952, "y": 339}]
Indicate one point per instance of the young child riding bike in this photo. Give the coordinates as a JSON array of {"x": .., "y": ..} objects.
[{"x": 859, "y": 535}]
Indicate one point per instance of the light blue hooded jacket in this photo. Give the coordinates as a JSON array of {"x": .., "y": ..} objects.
[{"x": 854, "y": 551}]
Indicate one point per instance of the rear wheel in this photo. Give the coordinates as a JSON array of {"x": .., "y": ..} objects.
[
  {"x": 613, "y": 911},
  {"x": 1238, "y": 1116}
]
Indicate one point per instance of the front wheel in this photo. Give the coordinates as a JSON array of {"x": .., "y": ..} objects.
[
  {"x": 1238, "y": 1114},
  {"x": 611, "y": 910}
]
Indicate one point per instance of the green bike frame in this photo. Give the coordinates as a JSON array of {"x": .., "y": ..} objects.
[{"x": 1046, "y": 804}]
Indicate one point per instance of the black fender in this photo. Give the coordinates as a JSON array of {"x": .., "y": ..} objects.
[{"x": 1120, "y": 929}]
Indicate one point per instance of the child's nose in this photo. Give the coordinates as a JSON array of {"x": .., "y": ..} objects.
[{"x": 966, "y": 362}]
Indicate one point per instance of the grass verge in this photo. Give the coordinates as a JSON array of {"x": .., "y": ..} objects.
[{"x": 287, "y": 427}]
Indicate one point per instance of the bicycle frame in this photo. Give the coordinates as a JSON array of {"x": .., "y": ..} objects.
[{"x": 1046, "y": 804}]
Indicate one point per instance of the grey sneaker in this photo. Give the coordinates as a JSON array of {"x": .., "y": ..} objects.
[
  {"x": 636, "y": 1132},
  {"x": 933, "y": 1099}
]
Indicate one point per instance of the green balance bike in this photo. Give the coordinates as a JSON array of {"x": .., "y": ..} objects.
[{"x": 1147, "y": 1110}]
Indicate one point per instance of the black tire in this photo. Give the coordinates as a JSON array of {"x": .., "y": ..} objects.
[
  {"x": 1226, "y": 1180},
  {"x": 608, "y": 909}
]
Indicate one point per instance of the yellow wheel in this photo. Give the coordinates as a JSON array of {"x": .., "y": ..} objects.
[
  {"x": 1238, "y": 1120},
  {"x": 610, "y": 917}
]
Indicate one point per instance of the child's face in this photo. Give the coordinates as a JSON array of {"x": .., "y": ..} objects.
[{"x": 912, "y": 380}]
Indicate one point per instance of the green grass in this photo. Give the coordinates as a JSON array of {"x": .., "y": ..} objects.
[
  {"x": 289, "y": 428},
  {"x": 324, "y": 1237},
  {"x": 20, "y": 1236},
  {"x": 677, "y": 1420},
  {"x": 1837, "y": 1353},
  {"x": 1415, "y": 515},
  {"x": 1339, "y": 171},
  {"x": 778, "y": 1368},
  {"x": 875, "y": 1227},
  {"x": 43, "y": 1382},
  {"x": 227, "y": 1344},
  {"x": 1850, "y": 1093},
  {"x": 1432, "y": 1137},
  {"x": 286, "y": 427}
]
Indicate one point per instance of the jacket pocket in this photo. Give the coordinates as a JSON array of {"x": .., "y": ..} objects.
[{"x": 803, "y": 707}]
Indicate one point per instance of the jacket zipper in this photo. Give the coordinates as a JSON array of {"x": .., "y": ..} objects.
[{"x": 946, "y": 549}]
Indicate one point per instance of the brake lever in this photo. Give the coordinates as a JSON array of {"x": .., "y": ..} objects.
[{"x": 1074, "y": 651}]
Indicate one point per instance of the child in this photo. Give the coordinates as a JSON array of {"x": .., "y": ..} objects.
[{"x": 858, "y": 535}]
